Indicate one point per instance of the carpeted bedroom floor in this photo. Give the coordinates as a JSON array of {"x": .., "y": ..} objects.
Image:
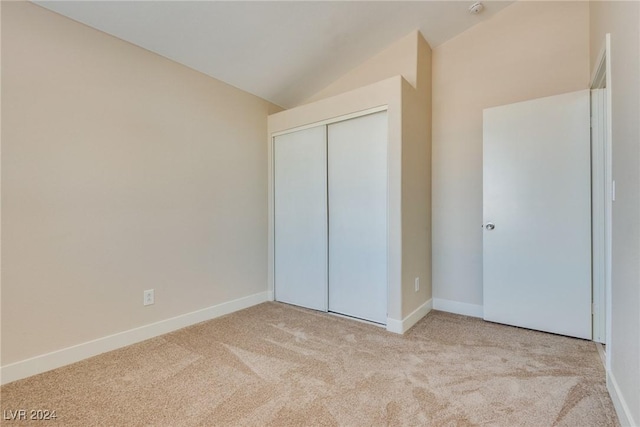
[{"x": 278, "y": 365}]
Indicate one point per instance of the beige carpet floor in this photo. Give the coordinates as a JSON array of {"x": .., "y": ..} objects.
[{"x": 278, "y": 365}]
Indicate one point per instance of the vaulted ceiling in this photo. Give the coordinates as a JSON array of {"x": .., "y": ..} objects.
[{"x": 282, "y": 51}]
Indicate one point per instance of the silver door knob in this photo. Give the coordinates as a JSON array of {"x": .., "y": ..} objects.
[{"x": 490, "y": 226}]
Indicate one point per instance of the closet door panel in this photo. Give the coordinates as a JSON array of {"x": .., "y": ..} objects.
[
  {"x": 357, "y": 186},
  {"x": 300, "y": 203}
]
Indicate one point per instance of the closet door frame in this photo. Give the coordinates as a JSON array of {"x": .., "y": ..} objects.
[{"x": 271, "y": 237}]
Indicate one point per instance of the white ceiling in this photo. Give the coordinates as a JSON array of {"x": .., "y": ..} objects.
[{"x": 282, "y": 51}]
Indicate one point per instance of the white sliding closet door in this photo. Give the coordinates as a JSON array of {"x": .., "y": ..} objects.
[
  {"x": 357, "y": 176},
  {"x": 300, "y": 202}
]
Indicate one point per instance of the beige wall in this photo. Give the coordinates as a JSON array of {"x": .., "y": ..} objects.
[
  {"x": 622, "y": 20},
  {"x": 399, "y": 59},
  {"x": 121, "y": 171},
  {"x": 528, "y": 50},
  {"x": 416, "y": 182}
]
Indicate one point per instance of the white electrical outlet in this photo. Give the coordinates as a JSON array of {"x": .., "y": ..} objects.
[
  {"x": 148, "y": 297},
  {"x": 417, "y": 284}
]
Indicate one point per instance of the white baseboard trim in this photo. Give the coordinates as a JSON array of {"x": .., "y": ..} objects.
[
  {"x": 402, "y": 326},
  {"x": 619, "y": 403},
  {"x": 55, "y": 359},
  {"x": 270, "y": 296},
  {"x": 457, "y": 307}
]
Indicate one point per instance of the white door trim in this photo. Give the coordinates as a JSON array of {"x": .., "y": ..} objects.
[
  {"x": 334, "y": 120},
  {"x": 598, "y": 206}
]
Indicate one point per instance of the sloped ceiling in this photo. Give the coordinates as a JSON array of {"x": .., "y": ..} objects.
[{"x": 282, "y": 51}]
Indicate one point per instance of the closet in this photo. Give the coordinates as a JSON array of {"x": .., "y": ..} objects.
[
  {"x": 349, "y": 218},
  {"x": 330, "y": 217}
]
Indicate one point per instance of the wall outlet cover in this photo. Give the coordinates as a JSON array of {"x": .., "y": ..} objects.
[{"x": 148, "y": 297}]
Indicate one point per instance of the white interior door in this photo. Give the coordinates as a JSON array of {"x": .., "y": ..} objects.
[
  {"x": 537, "y": 222},
  {"x": 300, "y": 231},
  {"x": 357, "y": 180}
]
